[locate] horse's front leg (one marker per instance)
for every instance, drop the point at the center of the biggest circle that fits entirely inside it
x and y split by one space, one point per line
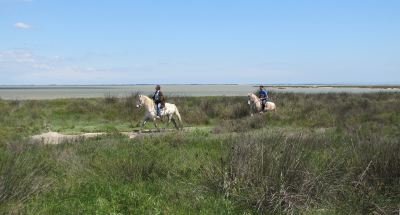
153 117
143 123
142 126
253 110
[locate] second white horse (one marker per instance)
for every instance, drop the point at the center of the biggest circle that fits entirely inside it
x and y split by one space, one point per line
256 106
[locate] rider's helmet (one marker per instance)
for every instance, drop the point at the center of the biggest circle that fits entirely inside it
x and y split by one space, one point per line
158 87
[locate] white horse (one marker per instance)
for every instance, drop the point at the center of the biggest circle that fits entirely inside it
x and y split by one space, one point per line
151 112
256 106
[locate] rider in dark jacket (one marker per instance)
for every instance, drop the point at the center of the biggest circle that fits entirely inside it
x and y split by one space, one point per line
159 99
263 95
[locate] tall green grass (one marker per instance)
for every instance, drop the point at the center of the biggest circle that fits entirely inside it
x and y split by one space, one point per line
151 175
271 171
318 154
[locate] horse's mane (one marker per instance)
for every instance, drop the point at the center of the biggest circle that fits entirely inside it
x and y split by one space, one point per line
145 96
148 98
253 96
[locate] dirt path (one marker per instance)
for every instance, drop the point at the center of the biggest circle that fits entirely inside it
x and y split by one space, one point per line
57 138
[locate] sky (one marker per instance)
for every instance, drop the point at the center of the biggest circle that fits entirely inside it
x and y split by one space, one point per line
199 42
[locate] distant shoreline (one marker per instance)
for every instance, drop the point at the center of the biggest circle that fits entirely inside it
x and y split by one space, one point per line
44 92
105 86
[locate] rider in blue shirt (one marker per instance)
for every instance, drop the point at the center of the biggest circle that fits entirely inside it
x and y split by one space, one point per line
263 95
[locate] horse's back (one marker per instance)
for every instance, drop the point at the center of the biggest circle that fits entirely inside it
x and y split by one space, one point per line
170 108
170 105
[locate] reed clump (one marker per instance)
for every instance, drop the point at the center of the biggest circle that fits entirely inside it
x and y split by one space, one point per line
293 172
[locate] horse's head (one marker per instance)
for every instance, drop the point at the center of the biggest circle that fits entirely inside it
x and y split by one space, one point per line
145 101
251 98
139 101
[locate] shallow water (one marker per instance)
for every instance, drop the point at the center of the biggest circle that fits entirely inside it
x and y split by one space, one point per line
93 91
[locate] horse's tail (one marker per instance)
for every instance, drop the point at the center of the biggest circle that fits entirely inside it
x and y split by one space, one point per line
178 115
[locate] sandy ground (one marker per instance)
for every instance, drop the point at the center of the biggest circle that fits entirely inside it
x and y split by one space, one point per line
57 138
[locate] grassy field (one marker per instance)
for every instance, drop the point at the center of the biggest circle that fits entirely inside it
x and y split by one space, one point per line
318 154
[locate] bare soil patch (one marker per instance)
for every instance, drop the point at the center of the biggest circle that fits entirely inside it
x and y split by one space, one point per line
57 138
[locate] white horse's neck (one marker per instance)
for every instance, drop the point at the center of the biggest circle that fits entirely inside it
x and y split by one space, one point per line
255 98
256 101
148 103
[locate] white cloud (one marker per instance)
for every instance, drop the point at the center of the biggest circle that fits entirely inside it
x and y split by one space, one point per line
26 67
21 25
17 56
